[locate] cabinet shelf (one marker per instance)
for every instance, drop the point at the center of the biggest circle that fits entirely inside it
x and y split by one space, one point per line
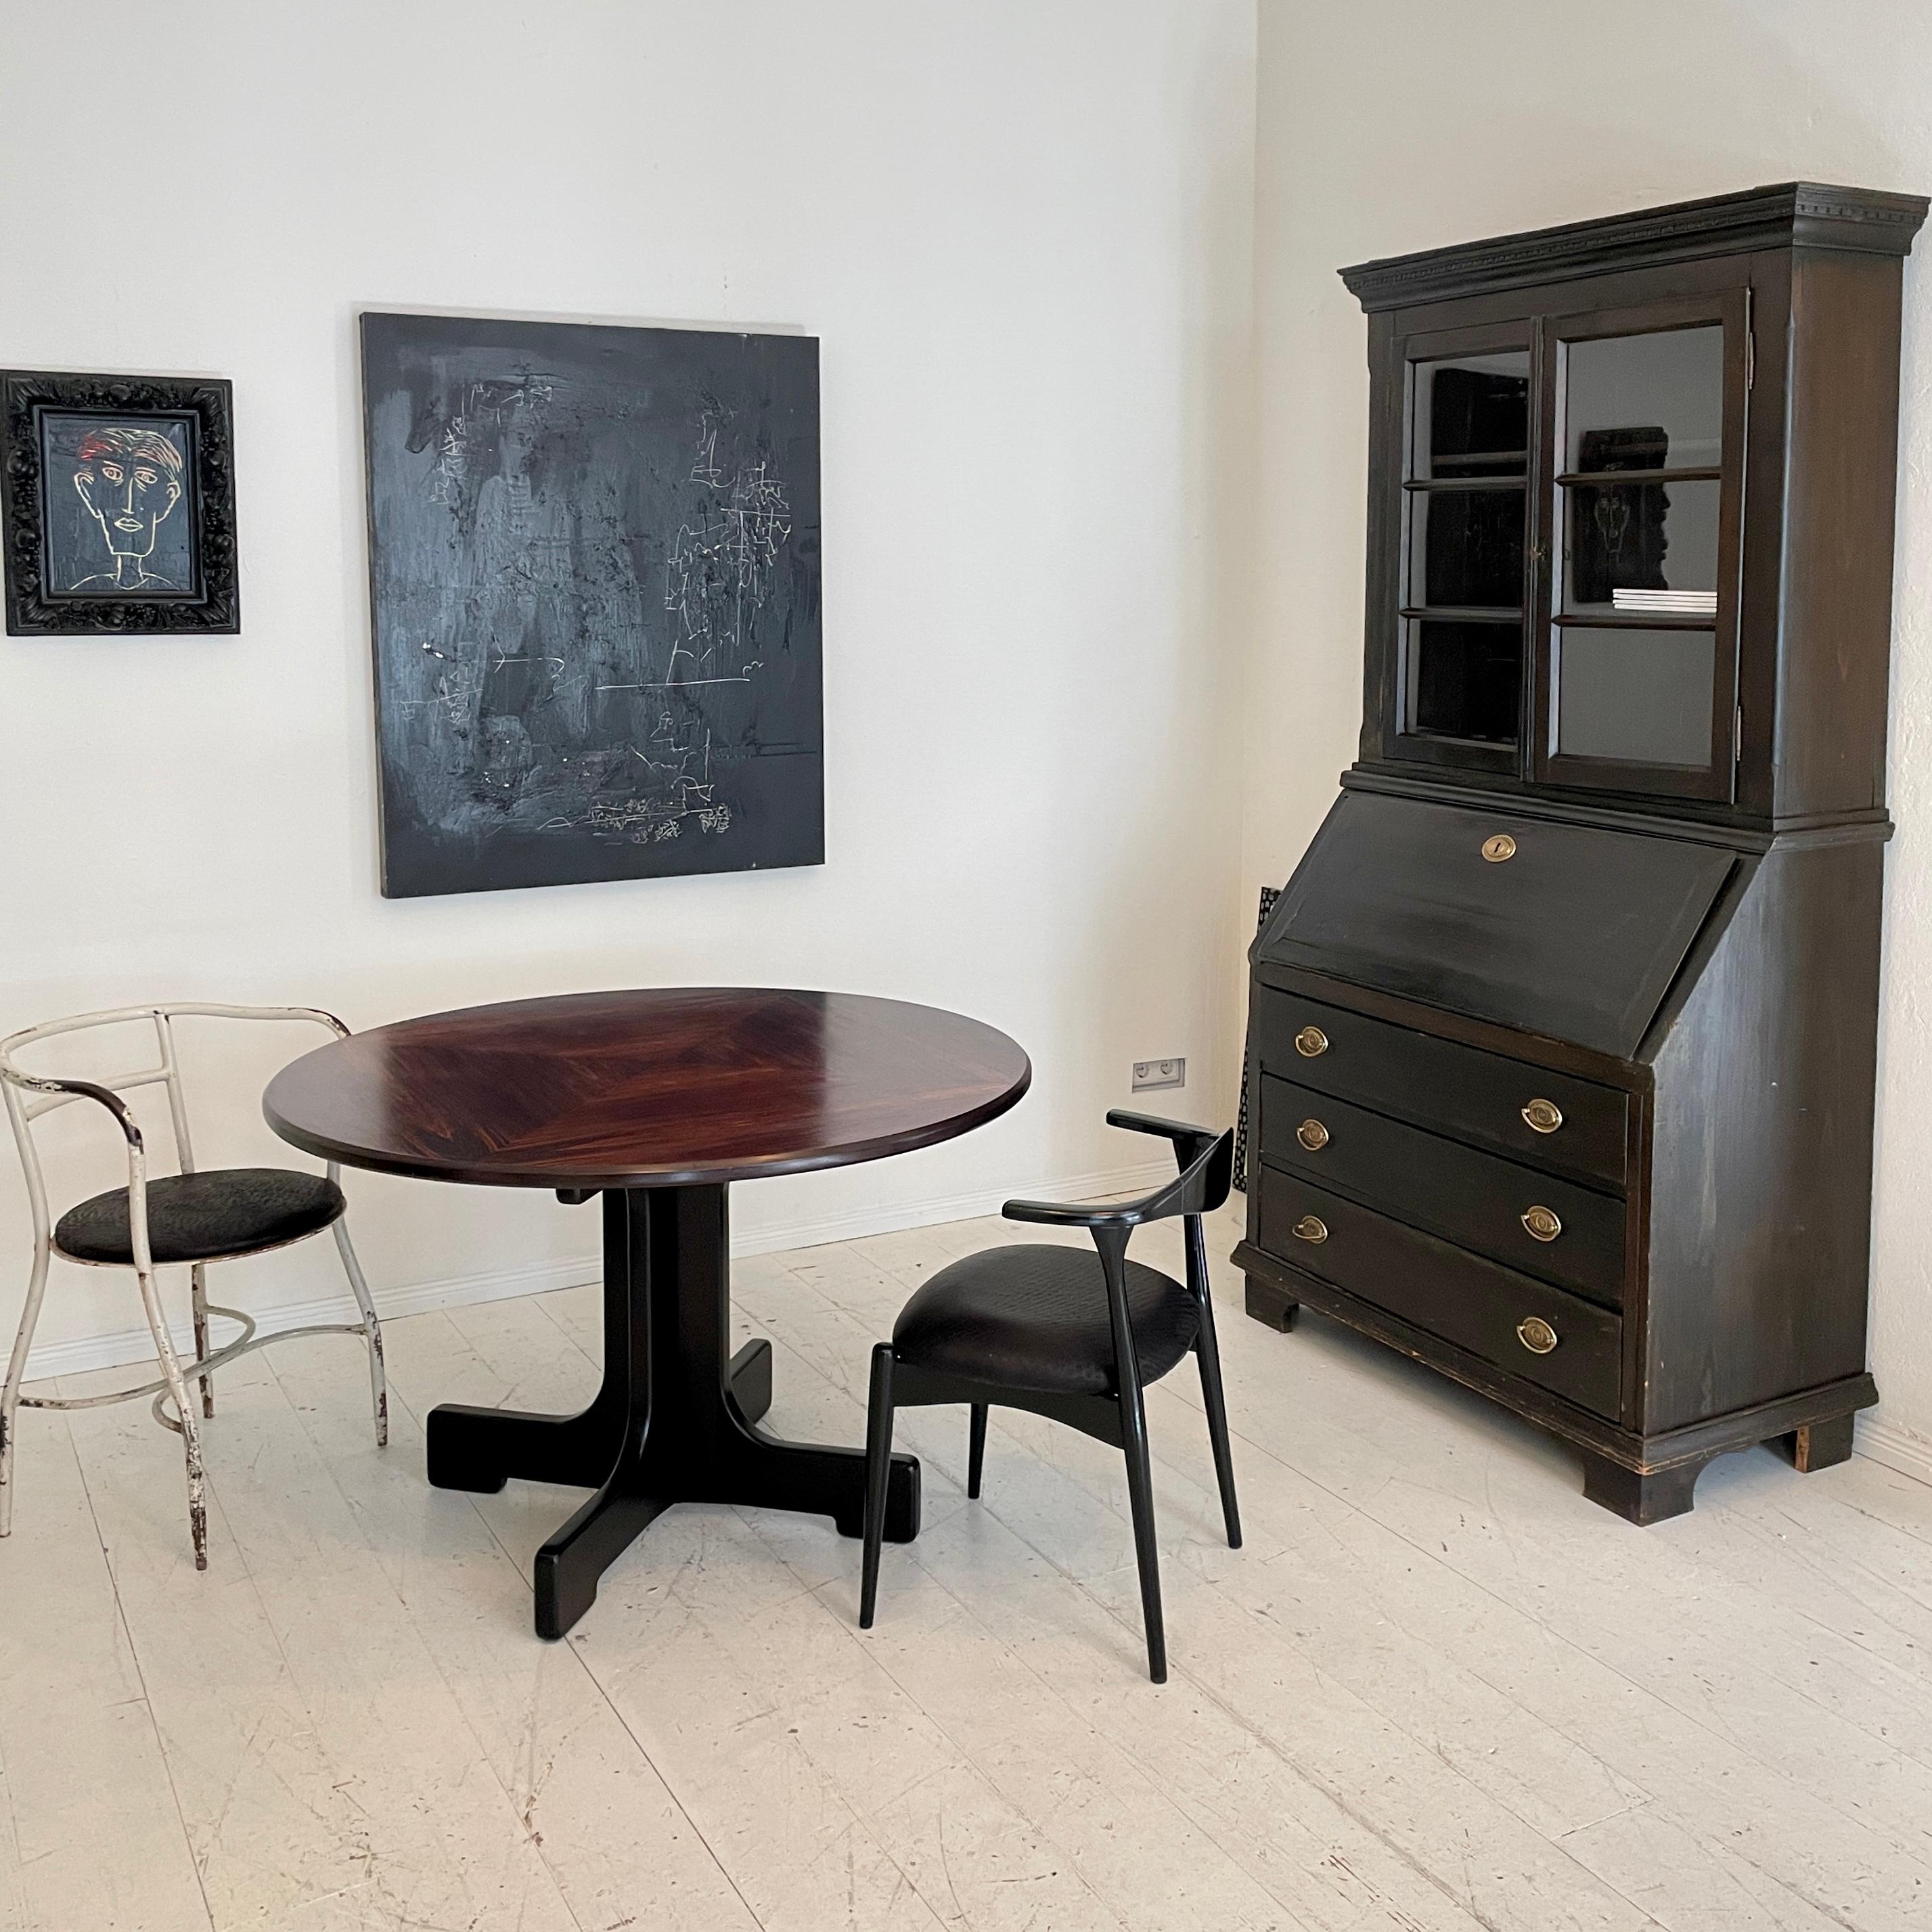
1454 483
1613 479
1608 619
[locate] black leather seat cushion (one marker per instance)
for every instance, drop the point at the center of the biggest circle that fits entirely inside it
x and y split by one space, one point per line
198 1217
1036 1318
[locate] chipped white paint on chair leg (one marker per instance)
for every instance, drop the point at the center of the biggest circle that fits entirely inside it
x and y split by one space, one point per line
10 1400
372 1329
198 1277
177 1388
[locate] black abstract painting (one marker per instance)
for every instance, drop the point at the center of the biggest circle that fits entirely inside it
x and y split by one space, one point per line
594 554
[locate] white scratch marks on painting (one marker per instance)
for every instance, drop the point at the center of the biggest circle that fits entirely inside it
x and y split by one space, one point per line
597 626
721 571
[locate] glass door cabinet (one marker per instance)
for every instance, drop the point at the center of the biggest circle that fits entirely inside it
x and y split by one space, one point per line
1563 1031
1571 486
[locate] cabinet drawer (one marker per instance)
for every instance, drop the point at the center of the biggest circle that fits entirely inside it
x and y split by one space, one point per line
1475 1199
1458 1091
1473 1302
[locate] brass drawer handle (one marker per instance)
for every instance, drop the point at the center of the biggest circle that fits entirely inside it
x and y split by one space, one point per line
1544 1117
1310 1227
1542 1224
1312 1134
1311 1041
1536 1335
1498 847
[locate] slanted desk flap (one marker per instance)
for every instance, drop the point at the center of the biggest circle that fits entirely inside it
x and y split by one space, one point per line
1575 934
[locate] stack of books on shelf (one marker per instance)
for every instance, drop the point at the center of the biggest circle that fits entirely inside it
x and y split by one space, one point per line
1682 603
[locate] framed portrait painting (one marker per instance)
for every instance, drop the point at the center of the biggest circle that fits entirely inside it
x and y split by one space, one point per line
117 504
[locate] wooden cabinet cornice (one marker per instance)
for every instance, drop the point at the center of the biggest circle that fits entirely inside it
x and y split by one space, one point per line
1562 1036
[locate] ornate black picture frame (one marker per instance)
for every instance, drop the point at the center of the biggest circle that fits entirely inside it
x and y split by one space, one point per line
117 504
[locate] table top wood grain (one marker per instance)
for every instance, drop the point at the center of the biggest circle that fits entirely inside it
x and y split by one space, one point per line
655 1088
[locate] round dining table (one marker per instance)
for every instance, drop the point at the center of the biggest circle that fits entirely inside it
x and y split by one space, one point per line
657 1101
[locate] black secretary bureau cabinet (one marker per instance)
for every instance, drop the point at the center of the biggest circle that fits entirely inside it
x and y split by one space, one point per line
1563 1033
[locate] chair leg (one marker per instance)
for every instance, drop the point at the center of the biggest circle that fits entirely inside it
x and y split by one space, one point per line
976 1448
17 1370
1206 1348
1140 1495
191 1428
372 1332
198 1295
878 1467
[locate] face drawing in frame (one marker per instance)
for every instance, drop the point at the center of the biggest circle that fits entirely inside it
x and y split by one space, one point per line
130 479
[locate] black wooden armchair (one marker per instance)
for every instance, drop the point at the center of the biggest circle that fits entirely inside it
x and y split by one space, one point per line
1049 1329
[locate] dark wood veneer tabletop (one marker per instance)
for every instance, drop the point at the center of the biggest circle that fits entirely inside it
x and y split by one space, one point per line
666 1087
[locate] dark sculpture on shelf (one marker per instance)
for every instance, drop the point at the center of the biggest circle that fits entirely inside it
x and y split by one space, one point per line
1621 533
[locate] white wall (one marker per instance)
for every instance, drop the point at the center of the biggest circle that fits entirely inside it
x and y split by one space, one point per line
1023 233
1390 125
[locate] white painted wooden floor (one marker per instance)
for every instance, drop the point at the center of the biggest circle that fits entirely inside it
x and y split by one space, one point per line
1436 1691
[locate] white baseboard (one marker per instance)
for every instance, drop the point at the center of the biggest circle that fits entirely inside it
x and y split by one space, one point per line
1900 1449
126 1345
1896 1448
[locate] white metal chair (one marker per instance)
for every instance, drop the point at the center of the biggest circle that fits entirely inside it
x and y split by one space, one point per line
190 1217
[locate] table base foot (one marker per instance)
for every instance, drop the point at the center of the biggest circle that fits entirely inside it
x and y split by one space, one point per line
570 1565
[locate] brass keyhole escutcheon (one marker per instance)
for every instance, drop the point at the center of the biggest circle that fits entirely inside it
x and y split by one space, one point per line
1312 1134
1311 1041
1498 847
1543 1225
1544 1116
1310 1228
1536 1335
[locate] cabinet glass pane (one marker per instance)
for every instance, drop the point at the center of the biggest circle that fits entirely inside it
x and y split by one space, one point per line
1465 547
1464 679
1634 547
1640 696
1646 402
1472 416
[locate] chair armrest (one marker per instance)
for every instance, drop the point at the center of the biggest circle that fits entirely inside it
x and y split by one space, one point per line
82 1089
1189 1141
1073 1213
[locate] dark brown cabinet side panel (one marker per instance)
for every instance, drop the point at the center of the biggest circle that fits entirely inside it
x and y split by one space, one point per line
1761 1167
1835 665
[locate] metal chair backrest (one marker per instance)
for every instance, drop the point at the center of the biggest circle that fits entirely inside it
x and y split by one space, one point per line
29 1095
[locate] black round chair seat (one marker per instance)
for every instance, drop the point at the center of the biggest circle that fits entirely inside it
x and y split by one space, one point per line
1036 1318
201 1217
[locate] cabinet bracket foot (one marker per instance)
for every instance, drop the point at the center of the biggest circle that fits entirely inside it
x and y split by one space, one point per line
1641 1499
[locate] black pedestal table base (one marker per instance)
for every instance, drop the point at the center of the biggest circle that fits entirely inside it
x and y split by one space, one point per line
676 1419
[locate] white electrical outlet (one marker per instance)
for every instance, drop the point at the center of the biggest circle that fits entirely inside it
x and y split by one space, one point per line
1151 1074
